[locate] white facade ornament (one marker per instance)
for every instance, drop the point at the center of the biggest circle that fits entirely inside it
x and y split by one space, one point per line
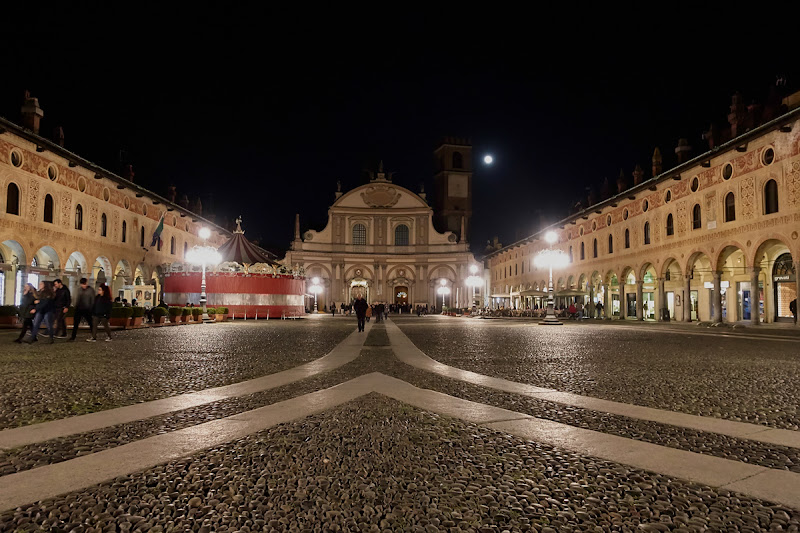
380 196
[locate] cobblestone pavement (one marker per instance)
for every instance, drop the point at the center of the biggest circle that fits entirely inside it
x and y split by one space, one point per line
740 378
44 382
378 465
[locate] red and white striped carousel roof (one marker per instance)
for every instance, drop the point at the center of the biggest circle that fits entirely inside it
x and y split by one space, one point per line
240 250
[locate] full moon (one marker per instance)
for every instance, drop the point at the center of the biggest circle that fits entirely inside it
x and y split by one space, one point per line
488 159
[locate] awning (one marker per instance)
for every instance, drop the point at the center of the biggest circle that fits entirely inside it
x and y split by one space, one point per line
532 292
501 296
571 292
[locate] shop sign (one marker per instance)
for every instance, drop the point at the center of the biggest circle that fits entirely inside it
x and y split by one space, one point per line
787 277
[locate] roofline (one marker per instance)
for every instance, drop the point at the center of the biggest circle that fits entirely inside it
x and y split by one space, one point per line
675 171
6 125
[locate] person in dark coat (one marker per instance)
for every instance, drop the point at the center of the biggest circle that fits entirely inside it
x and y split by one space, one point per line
793 309
26 310
84 303
44 311
61 303
101 312
360 307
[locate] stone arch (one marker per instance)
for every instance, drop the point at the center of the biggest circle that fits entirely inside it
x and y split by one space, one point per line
77 263
47 256
571 281
102 271
325 270
693 256
766 245
444 271
610 278
14 252
647 265
560 284
394 272
366 273
123 275
626 273
582 283
670 265
726 251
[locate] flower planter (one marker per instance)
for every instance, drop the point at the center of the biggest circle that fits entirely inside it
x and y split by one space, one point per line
161 319
8 320
211 316
119 322
135 321
176 319
69 320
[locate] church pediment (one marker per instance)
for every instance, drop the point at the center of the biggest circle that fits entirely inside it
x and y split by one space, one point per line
380 196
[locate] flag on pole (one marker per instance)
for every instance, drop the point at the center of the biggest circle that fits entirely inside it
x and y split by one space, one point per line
157 232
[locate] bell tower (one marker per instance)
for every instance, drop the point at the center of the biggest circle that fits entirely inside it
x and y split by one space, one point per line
453 184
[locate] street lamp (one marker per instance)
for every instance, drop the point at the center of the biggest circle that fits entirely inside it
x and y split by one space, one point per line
474 280
443 290
551 259
316 288
488 159
203 255
204 233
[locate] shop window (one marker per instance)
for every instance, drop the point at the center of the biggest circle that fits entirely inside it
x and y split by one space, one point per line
79 217
48 209
771 197
670 225
730 207
696 216
12 199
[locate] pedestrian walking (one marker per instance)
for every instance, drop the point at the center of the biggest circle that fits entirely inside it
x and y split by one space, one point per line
61 303
44 311
369 312
333 308
84 302
26 310
360 306
101 312
599 308
793 309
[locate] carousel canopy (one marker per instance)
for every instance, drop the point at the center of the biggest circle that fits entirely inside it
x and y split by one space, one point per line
240 250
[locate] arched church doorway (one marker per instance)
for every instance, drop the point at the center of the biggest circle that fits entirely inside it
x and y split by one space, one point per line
401 295
359 288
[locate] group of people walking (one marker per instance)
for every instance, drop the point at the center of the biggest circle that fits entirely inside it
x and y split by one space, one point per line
49 305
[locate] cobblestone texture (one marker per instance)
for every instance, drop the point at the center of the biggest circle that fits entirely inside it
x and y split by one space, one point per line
44 382
750 380
377 465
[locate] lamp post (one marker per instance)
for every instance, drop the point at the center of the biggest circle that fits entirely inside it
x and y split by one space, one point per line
474 280
316 288
551 259
443 290
203 255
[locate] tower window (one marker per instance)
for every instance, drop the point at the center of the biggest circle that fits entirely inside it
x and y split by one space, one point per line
359 235
583 253
611 244
730 207
401 235
594 248
185 249
570 254
696 216
647 233
458 160
12 199
141 237
103 225
627 238
172 245
48 209
79 217
124 230
670 225
771 197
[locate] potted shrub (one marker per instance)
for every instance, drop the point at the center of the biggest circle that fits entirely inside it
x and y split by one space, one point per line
175 314
197 314
159 315
137 316
186 314
120 316
69 318
222 314
212 313
8 314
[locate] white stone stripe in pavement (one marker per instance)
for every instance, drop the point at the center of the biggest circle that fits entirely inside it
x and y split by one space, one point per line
342 353
407 352
49 481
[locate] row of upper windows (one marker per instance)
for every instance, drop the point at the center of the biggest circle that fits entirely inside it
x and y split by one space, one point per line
770 207
12 208
401 235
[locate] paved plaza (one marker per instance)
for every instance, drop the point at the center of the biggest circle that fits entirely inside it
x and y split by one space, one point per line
420 424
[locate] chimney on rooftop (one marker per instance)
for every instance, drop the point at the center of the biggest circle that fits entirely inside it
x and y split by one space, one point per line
621 182
738 115
172 193
31 113
127 172
656 162
683 151
58 136
638 175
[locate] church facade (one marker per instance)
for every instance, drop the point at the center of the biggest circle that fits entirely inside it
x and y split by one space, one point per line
381 241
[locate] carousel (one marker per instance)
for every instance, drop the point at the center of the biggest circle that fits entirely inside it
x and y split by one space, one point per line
246 281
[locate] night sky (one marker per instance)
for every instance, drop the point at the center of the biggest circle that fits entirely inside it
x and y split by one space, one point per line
266 109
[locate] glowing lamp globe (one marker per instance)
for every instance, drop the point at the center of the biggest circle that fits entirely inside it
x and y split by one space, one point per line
204 233
551 237
551 259
488 160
